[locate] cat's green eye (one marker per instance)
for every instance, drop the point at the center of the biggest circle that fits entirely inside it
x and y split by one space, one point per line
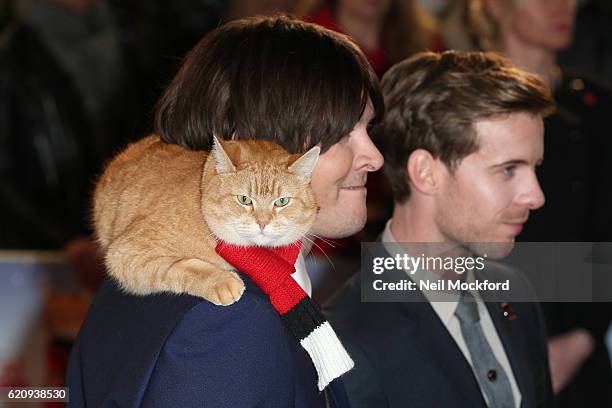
244 200
281 202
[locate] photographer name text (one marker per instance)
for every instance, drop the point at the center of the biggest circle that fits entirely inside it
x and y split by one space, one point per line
440 285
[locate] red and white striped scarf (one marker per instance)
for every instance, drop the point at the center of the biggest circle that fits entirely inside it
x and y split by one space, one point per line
271 269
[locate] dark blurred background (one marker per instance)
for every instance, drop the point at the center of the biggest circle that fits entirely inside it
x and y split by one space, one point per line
79 79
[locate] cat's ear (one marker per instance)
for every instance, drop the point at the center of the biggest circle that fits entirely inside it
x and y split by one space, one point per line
222 160
304 165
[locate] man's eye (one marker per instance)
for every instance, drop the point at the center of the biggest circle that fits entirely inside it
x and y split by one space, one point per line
508 170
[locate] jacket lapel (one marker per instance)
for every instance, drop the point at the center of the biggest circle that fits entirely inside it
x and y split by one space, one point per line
448 363
447 356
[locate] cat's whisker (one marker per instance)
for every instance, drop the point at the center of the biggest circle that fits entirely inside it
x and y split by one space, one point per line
296 243
322 251
330 242
314 258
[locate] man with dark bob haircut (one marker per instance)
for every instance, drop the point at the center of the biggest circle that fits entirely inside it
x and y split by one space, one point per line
276 79
267 78
462 137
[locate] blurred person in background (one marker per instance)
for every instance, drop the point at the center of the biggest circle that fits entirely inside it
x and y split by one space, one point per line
84 40
155 35
62 86
591 50
575 178
66 65
48 155
387 31
58 66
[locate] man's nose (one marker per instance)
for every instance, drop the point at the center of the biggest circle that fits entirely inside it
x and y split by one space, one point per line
372 158
533 196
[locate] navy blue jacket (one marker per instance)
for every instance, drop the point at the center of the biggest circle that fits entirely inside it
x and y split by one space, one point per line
405 357
181 351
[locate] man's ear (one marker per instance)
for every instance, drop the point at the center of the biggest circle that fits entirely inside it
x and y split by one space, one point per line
422 170
222 160
304 165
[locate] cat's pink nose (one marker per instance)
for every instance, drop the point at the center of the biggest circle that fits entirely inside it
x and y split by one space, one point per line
262 226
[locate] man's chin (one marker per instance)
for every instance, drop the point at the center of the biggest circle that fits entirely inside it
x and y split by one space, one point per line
357 224
493 250
340 227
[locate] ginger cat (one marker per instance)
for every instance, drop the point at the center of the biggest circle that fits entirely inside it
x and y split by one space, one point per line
159 210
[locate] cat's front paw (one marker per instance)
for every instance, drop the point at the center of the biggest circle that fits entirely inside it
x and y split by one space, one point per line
226 290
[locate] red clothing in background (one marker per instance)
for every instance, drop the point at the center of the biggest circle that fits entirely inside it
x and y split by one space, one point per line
377 58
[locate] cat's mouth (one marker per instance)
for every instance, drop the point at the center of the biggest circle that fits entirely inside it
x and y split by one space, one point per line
264 240
265 235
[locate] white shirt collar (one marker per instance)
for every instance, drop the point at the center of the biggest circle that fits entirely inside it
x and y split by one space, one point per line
301 275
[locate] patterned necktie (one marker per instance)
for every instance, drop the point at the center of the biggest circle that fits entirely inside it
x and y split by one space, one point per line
492 378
